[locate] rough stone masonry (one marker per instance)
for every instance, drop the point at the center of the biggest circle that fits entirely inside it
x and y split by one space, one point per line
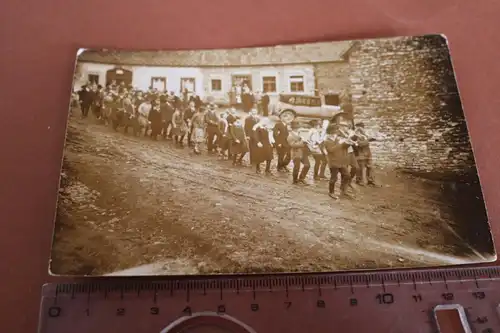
406 89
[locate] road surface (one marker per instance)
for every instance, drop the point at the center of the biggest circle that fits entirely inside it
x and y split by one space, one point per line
135 206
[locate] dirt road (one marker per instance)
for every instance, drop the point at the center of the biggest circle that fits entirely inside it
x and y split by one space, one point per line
126 202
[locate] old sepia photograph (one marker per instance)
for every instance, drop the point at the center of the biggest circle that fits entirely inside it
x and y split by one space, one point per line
317 157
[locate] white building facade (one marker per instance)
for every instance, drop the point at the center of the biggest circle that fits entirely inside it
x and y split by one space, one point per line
217 82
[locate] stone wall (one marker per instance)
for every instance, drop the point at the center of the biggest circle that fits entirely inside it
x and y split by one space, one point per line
405 88
332 76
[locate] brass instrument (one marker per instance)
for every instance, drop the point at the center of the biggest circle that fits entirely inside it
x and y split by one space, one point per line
311 145
314 146
361 134
347 137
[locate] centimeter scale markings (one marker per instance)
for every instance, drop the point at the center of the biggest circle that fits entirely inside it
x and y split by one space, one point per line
442 300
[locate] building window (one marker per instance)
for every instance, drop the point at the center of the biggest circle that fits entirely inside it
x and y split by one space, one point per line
93 78
188 84
297 83
269 84
159 83
216 85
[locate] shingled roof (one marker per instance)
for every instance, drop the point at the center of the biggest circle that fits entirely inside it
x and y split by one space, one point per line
257 56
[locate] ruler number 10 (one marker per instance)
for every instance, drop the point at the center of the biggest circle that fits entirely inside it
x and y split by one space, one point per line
385 298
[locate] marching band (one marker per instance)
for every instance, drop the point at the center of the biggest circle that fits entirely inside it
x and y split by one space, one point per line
343 147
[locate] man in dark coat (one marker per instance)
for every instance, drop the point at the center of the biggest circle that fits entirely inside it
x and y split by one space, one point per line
231 117
98 101
264 149
264 102
155 119
212 123
167 111
86 100
336 146
239 144
188 115
250 122
280 134
247 100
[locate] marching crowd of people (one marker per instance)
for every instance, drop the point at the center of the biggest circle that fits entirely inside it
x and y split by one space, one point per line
341 146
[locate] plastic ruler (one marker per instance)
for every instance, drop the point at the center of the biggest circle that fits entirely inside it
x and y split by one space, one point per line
458 300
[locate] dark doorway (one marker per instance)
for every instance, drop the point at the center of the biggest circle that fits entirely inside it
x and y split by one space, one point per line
119 75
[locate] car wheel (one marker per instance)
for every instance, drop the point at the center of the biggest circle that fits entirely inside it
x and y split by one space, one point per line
287 116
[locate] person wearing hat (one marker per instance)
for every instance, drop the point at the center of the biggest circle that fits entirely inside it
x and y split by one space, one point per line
316 148
85 97
247 98
198 128
212 122
188 116
167 111
129 119
155 119
179 127
364 156
117 112
177 102
231 116
338 161
223 137
249 123
143 112
280 133
345 120
97 100
264 103
299 154
107 107
239 143
264 146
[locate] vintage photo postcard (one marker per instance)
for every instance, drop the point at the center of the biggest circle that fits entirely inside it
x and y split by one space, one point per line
314 157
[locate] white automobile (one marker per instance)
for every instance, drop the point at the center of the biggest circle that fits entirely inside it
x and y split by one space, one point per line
292 106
